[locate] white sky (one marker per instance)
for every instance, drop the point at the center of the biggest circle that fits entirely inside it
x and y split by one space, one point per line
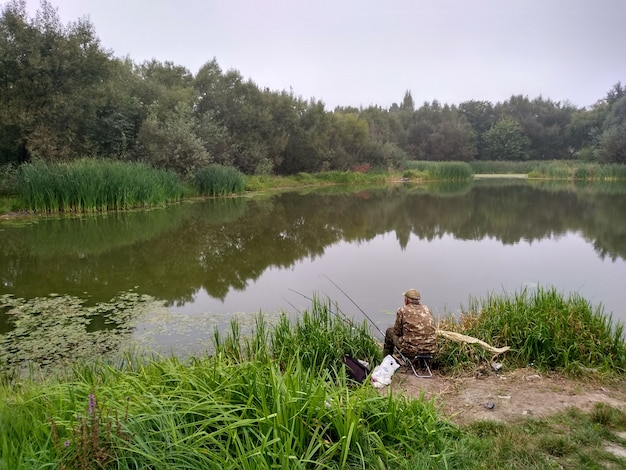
362 52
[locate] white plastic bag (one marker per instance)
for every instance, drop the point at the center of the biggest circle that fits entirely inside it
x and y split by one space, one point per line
381 376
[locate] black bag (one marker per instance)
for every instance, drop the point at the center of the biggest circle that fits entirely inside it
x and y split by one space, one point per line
355 370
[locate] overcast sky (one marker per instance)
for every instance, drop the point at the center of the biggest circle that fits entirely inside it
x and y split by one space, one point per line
362 52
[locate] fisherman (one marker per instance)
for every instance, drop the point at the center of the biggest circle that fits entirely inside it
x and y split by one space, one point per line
414 330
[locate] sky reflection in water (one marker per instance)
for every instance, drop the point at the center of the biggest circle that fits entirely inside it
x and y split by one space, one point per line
446 271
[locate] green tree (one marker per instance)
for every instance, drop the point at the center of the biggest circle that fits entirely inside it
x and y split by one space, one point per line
505 140
257 123
51 88
168 140
585 127
441 133
544 122
307 147
349 136
612 141
481 116
616 92
120 114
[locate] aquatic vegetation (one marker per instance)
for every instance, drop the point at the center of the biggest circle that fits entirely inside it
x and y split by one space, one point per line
450 171
219 180
52 333
90 185
543 327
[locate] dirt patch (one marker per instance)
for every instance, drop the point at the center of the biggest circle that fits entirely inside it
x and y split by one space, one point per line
507 396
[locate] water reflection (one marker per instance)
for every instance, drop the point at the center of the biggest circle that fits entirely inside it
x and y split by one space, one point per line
250 254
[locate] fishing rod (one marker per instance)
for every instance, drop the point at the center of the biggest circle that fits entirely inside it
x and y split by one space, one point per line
344 317
292 305
300 294
355 304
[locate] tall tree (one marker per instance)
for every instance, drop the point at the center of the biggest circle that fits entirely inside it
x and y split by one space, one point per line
481 116
51 84
506 141
612 141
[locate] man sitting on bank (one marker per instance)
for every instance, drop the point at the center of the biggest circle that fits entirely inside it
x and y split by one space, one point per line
414 331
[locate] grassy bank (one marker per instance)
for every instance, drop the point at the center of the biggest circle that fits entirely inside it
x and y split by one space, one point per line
557 169
440 171
543 328
264 182
280 398
92 185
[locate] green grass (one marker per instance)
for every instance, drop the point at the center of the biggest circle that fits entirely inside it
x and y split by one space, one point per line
571 439
93 185
11 204
219 180
543 328
278 398
555 169
8 180
264 182
449 171
259 402
579 171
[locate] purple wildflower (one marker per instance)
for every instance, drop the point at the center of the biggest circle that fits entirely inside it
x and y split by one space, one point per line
92 403
66 443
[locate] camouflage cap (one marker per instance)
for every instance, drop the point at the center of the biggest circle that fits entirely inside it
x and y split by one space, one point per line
412 294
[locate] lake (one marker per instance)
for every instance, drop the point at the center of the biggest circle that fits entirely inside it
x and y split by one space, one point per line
197 265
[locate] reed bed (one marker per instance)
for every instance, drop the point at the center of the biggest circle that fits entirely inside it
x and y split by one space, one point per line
450 171
219 180
543 328
90 185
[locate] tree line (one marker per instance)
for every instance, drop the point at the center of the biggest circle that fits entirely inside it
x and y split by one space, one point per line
64 96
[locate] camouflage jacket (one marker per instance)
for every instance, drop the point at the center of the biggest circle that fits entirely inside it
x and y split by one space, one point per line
415 329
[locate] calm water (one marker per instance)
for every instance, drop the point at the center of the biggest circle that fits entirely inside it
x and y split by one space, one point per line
208 261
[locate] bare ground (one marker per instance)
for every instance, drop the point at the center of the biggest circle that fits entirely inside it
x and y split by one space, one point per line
507 396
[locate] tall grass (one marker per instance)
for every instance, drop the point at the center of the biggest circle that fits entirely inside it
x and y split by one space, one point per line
219 180
279 399
95 185
543 328
555 169
450 171
579 171
243 408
